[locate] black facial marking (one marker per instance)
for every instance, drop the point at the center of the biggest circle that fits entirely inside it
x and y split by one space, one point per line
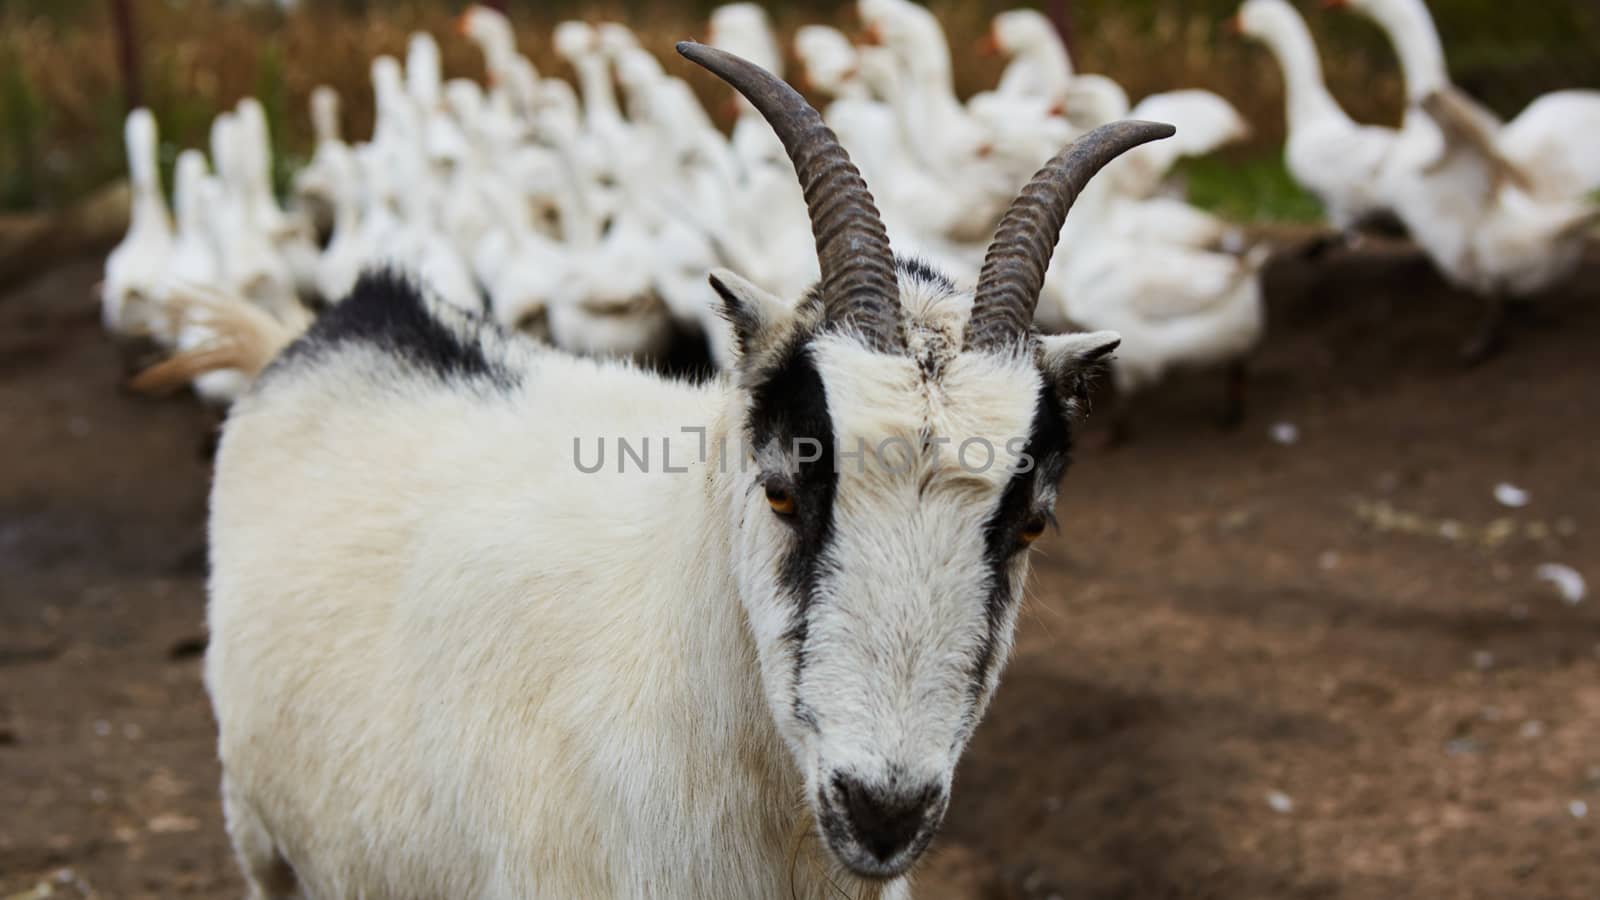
1050 447
789 405
388 311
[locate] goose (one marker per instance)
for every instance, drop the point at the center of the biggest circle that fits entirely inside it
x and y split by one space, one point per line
347 250
860 113
507 69
830 62
134 269
1484 230
693 164
943 137
1206 122
743 29
399 230
1547 144
251 265
613 309
1040 67
312 186
444 142
1175 307
194 195
610 149
1328 153
292 235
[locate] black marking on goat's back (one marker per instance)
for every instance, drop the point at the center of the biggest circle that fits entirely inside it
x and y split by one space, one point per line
789 405
388 311
1050 447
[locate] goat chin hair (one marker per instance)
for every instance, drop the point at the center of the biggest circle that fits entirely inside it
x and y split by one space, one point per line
242 337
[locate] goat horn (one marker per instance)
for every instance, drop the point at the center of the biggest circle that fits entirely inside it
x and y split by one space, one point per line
1013 269
859 287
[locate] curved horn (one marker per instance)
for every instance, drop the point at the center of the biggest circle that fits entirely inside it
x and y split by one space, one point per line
1014 267
859 287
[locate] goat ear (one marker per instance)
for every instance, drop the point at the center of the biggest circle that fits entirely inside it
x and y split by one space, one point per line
1071 362
755 316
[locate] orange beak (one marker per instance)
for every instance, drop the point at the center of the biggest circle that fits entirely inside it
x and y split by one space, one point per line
1236 26
462 20
872 36
989 45
1058 109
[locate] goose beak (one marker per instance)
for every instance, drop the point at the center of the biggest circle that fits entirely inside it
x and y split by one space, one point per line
1235 26
989 45
872 35
462 22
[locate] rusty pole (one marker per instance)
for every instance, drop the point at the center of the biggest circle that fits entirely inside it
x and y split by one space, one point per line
127 53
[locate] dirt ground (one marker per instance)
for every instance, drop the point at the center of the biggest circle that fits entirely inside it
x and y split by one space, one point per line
1250 668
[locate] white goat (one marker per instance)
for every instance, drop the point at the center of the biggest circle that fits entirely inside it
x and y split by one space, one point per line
447 662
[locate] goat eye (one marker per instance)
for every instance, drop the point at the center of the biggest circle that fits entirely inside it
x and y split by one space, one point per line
1032 529
779 498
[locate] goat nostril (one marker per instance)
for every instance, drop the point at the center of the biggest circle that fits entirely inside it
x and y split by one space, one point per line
885 820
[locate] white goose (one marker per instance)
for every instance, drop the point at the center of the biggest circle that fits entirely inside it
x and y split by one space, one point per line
313 185
194 195
1328 153
1040 67
251 266
134 271
1205 121
1174 306
292 235
743 29
1549 143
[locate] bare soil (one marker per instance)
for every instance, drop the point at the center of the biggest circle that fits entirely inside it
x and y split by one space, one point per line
1249 669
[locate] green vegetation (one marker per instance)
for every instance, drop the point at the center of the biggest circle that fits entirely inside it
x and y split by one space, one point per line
1253 189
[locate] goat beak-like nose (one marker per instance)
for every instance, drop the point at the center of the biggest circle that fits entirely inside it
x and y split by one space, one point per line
887 820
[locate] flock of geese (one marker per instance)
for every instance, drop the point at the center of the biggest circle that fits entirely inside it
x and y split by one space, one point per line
590 215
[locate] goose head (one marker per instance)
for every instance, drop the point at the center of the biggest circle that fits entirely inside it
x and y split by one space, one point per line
637 68
745 30
492 32
614 38
575 41
1020 31
828 57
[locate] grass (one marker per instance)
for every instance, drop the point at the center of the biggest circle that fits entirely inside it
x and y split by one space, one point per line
1256 188
61 102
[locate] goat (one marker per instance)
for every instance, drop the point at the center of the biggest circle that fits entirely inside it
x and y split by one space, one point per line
445 662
